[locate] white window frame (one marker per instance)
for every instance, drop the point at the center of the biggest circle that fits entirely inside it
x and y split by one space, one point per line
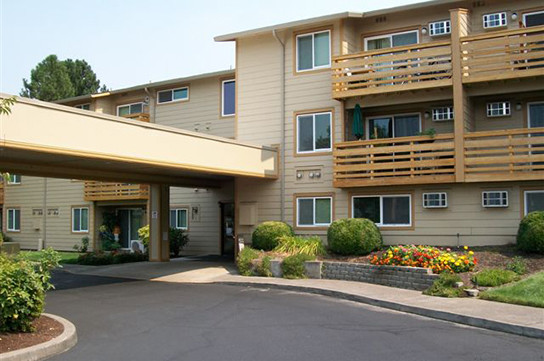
390 36
11 227
503 193
505 107
80 106
80 218
528 14
446 25
172 94
381 197
313 198
186 217
16 179
502 18
443 197
442 114
313 51
223 97
368 119
313 133
129 105
525 198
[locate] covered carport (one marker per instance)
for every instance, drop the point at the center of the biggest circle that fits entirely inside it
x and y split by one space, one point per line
50 140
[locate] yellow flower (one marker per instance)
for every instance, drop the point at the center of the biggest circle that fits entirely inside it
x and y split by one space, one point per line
15 316
465 247
471 253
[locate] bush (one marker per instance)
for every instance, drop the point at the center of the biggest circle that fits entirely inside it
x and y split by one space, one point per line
517 265
178 240
265 237
494 277
22 295
531 233
300 245
444 286
129 257
293 266
100 258
84 246
245 261
143 235
263 268
353 236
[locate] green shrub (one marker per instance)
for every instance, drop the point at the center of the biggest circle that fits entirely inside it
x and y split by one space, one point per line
143 235
518 265
353 236
300 245
129 257
178 240
263 268
100 258
444 286
265 237
245 259
22 295
84 246
494 277
293 266
531 233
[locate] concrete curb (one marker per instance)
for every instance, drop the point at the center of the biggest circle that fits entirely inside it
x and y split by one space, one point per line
65 341
439 315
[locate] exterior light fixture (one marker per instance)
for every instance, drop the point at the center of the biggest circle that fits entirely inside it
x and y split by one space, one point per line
518 106
514 16
424 30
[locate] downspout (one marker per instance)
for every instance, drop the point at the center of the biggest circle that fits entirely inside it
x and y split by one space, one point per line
44 240
282 144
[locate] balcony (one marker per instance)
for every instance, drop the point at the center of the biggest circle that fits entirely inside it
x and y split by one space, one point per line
501 55
143 117
405 68
394 161
504 155
102 191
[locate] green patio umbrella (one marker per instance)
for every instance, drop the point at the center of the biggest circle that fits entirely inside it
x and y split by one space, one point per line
358 131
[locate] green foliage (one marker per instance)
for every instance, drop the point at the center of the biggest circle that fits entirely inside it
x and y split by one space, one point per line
528 292
293 266
517 265
108 239
84 246
143 234
300 245
6 104
22 295
5 238
178 240
263 268
431 132
493 277
353 236
99 258
265 237
444 286
126 257
531 233
54 79
245 259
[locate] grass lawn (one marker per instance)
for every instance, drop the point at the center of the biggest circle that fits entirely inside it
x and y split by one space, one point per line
66 257
528 292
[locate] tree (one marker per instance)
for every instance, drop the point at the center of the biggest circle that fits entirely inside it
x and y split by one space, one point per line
54 79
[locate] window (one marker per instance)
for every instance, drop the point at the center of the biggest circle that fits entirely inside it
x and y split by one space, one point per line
533 201
14 179
314 132
491 199
173 95
435 200
314 50
314 211
391 40
394 126
84 106
178 218
228 98
80 219
14 220
442 113
498 109
533 19
494 20
440 28
127 109
385 211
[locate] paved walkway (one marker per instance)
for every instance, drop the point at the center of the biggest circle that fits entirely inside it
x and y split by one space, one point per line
522 320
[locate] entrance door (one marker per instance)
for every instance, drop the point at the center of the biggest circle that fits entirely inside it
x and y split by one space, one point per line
227 229
130 220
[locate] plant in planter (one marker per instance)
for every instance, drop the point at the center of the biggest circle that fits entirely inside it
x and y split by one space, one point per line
431 132
178 240
107 239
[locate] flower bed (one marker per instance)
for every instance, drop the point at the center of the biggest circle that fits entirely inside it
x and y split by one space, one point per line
438 260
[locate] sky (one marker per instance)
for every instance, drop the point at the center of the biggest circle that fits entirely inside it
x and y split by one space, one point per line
134 42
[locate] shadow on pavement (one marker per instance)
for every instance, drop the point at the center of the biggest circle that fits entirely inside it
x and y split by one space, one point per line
64 280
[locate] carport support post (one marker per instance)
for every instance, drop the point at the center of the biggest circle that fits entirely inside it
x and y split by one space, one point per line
159 219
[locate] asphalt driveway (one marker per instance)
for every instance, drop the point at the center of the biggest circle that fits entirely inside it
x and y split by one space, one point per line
118 319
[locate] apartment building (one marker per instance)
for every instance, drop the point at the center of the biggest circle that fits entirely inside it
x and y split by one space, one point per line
427 119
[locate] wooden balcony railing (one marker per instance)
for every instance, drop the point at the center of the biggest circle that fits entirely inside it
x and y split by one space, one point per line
391 70
143 117
407 160
499 55
103 191
504 155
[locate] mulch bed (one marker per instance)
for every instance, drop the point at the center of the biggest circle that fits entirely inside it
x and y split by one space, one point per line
46 329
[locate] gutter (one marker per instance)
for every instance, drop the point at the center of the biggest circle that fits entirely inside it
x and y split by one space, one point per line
282 110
